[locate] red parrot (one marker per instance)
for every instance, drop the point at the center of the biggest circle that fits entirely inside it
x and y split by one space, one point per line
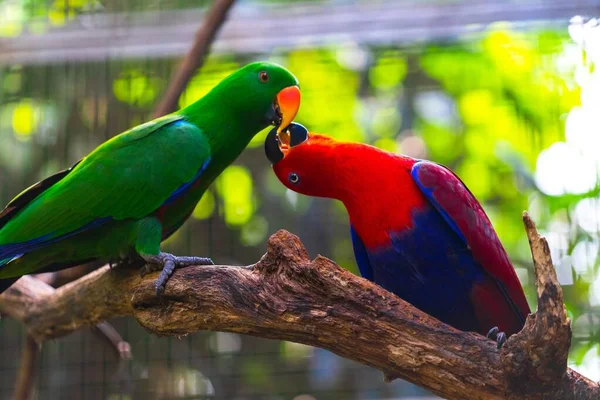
416 229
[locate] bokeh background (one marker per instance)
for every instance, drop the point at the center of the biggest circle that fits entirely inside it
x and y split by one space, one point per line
504 92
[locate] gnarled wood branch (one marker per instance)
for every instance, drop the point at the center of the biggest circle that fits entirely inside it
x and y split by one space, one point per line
286 296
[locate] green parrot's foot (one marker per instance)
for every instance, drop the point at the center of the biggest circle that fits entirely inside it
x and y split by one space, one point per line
496 335
125 262
166 263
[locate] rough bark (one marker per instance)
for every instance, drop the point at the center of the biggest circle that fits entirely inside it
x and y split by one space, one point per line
289 297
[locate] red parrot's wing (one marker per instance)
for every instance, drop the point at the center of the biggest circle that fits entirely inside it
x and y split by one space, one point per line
453 200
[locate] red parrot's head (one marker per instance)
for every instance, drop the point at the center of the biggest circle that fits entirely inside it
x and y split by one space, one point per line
304 161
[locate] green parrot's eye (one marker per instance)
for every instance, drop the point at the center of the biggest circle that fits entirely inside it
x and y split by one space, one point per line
294 178
263 76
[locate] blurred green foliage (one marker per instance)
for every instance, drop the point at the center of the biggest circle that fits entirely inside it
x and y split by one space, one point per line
485 105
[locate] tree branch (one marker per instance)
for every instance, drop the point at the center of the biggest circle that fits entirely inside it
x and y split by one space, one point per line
288 297
39 285
26 376
195 57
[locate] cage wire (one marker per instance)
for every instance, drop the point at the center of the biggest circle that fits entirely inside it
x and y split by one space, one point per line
53 113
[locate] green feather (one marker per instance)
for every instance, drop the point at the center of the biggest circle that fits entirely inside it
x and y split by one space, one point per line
126 180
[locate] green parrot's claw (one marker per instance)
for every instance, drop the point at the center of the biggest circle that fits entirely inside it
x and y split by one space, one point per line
166 263
125 262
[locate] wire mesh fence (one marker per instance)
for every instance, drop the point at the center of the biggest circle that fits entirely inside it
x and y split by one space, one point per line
53 112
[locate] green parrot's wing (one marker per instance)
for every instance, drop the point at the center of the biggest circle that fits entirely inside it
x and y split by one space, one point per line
127 177
29 194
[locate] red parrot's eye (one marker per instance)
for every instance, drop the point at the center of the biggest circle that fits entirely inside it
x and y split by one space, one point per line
294 178
263 76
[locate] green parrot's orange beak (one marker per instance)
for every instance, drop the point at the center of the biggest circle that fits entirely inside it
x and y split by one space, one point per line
288 104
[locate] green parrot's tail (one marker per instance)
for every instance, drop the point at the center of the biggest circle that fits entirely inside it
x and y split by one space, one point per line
5 261
6 283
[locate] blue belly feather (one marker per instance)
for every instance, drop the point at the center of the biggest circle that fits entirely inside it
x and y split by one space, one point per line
429 266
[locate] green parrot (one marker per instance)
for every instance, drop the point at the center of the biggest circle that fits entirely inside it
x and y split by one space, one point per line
133 191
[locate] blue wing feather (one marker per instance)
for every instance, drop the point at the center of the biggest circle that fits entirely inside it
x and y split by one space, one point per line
181 190
427 191
11 251
497 282
361 256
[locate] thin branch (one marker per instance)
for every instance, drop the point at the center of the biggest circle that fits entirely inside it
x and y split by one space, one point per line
121 348
35 287
26 375
195 57
288 297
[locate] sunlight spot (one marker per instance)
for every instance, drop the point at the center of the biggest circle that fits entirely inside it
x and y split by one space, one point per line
564 270
436 107
259 139
352 56
587 35
557 236
386 144
386 122
224 342
11 19
291 197
581 129
587 214
584 256
595 292
413 146
562 169
135 87
255 231
476 107
205 206
304 397
389 71
590 365
296 351
24 119
236 187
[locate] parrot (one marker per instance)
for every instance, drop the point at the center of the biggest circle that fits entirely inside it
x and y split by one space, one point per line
133 191
415 227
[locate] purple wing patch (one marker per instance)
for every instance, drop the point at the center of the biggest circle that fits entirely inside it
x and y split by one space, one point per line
453 200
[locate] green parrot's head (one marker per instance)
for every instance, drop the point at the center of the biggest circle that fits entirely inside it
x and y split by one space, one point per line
262 93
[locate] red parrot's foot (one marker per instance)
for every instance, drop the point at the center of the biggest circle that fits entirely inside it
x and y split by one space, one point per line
166 263
499 337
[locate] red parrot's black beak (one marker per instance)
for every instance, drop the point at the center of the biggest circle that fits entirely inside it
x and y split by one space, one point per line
277 146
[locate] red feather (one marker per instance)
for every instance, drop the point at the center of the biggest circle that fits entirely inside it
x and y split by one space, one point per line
454 199
381 193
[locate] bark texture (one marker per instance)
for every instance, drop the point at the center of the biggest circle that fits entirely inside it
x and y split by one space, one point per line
287 296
